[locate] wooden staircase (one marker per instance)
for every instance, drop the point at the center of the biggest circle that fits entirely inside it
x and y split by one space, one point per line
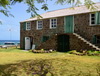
87 42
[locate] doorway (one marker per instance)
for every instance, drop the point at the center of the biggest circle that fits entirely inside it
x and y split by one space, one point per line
27 43
69 24
63 43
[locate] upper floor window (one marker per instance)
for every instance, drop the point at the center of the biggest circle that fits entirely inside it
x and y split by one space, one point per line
39 24
28 26
95 18
53 23
92 19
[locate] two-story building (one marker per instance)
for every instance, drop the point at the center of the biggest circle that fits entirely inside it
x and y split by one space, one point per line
63 30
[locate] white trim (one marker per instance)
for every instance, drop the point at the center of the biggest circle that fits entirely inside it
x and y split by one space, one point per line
26 25
37 25
51 25
90 20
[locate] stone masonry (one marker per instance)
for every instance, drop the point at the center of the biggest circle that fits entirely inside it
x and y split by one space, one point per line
81 27
38 34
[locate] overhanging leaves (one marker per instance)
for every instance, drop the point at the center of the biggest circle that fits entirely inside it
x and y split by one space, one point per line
32 8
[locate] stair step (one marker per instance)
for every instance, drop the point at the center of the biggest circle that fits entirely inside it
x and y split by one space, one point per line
87 42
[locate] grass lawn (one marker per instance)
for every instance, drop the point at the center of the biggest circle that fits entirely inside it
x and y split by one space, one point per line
63 64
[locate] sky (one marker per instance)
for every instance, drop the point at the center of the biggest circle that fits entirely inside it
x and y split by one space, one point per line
10 28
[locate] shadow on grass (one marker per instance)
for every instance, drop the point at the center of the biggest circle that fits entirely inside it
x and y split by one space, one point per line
27 68
43 67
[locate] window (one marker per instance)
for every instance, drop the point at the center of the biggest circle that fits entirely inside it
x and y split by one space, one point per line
92 19
45 38
28 26
95 18
53 23
96 39
39 24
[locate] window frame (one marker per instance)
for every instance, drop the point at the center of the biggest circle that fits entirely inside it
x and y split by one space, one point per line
38 25
91 19
53 24
28 25
97 38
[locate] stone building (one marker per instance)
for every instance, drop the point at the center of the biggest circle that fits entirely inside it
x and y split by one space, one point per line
63 30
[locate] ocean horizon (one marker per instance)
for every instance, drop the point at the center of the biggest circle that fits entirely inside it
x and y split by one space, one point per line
3 41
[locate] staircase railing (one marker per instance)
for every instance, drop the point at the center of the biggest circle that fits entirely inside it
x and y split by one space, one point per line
87 42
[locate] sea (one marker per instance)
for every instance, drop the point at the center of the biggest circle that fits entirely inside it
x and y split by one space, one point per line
15 41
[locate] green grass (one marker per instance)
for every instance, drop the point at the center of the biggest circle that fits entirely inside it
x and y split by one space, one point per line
63 64
11 49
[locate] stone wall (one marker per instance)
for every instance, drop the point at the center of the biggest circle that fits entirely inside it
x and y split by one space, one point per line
38 34
75 43
49 44
82 26
78 44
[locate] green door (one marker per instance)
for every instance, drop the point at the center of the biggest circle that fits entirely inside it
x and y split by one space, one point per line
69 24
63 43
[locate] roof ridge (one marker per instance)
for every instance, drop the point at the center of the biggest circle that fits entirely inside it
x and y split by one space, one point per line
65 12
69 8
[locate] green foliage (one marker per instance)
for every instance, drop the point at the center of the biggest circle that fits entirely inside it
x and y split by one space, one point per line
44 7
85 52
33 9
0 22
74 52
4 3
88 3
93 53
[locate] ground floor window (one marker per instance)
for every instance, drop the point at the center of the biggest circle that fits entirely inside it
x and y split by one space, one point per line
45 38
96 39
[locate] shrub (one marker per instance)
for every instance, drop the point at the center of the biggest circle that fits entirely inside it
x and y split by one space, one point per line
85 52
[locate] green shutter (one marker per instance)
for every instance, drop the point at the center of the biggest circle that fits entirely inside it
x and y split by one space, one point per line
45 38
68 28
97 18
94 39
24 43
71 24
24 26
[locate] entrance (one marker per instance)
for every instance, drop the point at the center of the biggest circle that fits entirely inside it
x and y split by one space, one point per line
63 43
69 22
27 43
